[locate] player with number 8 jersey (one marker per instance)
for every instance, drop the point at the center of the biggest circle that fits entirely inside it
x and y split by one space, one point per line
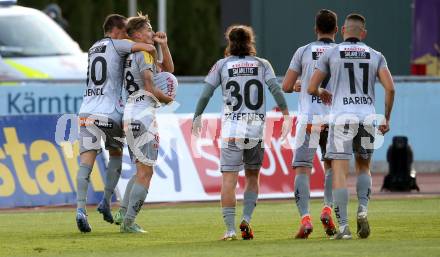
100 115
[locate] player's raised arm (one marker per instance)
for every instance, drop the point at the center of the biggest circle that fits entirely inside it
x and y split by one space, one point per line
167 63
388 84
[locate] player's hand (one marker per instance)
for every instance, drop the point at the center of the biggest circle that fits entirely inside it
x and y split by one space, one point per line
287 127
160 38
196 126
297 86
384 128
325 96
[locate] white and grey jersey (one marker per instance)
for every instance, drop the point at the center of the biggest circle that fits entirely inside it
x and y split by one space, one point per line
353 67
303 62
102 94
138 99
243 81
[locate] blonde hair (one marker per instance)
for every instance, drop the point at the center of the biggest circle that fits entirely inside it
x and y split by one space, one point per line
136 23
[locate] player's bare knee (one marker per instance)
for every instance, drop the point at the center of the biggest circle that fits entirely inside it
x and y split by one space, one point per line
88 157
303 170
115 152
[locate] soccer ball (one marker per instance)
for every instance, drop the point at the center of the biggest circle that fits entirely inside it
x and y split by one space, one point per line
166 82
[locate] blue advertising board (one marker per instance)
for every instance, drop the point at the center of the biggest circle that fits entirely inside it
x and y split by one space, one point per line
35 170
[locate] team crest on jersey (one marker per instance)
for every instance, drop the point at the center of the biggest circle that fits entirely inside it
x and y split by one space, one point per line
317 51
242 68
354 52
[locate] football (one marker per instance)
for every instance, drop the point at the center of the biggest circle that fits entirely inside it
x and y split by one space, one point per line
166 82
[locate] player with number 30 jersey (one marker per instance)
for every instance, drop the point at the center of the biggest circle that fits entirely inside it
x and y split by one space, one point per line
243 78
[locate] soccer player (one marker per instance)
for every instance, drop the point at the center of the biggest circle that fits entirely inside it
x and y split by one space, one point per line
243 78
310 107
100 115
353 67
140 124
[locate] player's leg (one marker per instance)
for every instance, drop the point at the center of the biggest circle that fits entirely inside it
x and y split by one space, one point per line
112 177
113 138
228 202
339 151
303 163
231 162
143 142
363 151
90 146
363 189
326 212
137 198
253 159
250 197
87 160
120 214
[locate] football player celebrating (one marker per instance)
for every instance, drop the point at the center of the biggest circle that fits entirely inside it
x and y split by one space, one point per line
312 128
353 67
243 78
100 115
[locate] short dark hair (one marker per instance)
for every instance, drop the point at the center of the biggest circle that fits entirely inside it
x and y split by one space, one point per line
326 21
356 17
136 23
113 20
241 41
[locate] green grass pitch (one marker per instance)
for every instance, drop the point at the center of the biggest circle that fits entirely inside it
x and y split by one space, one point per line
400 227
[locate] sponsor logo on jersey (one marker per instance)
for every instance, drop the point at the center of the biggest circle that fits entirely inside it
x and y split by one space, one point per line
242 68
133 127
318 51
354 52
99 49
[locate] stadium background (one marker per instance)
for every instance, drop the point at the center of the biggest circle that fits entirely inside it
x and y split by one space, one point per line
195 33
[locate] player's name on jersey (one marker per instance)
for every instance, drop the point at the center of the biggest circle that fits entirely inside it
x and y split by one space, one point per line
317 51
242 68
357 100
354 52
93 91
99 49
316 99
245 116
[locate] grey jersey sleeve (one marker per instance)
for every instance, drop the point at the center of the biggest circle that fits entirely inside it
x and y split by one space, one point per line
123 47
268 71
323 64
275 90
214 76
295 63
144 61
382 62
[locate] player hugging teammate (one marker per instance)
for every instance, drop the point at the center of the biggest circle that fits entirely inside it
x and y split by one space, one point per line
103 108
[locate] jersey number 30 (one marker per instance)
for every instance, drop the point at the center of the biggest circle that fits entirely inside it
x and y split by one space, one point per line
235 92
